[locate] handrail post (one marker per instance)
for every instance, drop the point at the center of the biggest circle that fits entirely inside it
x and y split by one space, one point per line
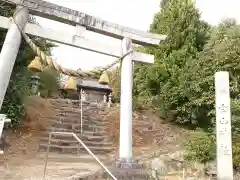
46 156
81 112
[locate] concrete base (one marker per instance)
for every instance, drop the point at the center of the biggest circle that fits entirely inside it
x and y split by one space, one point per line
127 170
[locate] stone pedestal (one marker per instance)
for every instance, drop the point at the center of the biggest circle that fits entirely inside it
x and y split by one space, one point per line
127 170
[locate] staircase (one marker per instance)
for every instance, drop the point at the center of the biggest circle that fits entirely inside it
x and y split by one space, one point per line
66 149
67 118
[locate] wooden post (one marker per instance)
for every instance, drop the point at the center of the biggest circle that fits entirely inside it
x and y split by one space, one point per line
223 127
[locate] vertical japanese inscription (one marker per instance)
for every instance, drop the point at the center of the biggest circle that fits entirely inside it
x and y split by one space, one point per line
223 127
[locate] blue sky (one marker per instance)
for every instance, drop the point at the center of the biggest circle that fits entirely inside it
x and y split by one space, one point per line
137 14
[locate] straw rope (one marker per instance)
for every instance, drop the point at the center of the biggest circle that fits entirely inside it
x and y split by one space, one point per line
48 61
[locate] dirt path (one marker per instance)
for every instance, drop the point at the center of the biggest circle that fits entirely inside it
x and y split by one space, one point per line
33 170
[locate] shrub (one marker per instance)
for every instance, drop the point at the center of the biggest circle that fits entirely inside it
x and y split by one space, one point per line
200 147
35 107
236 152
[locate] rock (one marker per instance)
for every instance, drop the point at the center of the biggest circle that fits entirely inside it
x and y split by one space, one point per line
158 167
191 178
236 176
211 168
177 156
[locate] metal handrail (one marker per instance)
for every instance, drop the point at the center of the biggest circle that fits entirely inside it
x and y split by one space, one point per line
81 113
81 142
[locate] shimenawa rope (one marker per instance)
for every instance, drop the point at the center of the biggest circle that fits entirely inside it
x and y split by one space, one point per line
48 61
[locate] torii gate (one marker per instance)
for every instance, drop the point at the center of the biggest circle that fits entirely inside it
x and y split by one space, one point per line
82 23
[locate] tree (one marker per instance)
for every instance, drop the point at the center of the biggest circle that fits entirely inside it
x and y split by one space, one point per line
164 82
115 83
221 53
49 82
163 3
18 87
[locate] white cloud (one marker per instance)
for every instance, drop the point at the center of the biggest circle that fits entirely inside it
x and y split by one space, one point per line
137 14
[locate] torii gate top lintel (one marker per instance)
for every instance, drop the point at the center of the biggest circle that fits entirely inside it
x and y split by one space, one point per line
73 17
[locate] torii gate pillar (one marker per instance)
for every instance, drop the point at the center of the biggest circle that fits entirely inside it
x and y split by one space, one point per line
125 151
10 49
126 167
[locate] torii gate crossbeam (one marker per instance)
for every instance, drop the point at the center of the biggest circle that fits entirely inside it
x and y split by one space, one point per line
76 40
73 17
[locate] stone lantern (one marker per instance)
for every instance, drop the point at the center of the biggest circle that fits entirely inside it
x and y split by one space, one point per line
35 66
35 83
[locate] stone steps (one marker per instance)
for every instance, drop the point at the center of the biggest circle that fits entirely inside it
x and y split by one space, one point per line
89 113
73 149
44 140
62 101
83 137
97 139
77 130
77 118
73 113
78 109
62 106
54 121
85 119
67 115
76 106
65 158
66 118
85 133
87 127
